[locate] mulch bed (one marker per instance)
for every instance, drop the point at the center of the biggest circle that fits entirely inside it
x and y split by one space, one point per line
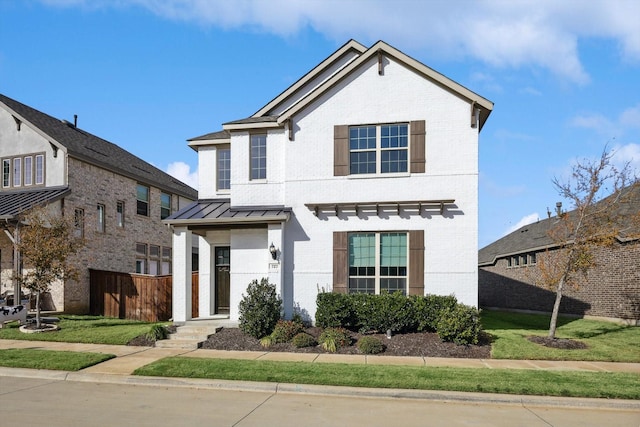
414 344
560 343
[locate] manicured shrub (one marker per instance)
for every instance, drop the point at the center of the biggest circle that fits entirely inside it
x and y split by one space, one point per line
429 308
378 313
370 345
332 339
460 324
260 309
303 340
285 330
335 310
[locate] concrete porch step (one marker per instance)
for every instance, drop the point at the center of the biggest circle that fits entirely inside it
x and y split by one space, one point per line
180 344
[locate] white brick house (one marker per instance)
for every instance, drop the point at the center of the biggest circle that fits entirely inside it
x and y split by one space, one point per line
363 176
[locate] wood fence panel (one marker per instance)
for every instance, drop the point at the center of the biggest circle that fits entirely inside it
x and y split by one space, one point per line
195 294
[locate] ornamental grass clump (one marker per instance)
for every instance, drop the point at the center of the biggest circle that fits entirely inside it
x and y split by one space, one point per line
331 339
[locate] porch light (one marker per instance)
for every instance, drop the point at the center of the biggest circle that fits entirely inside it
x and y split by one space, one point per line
274 252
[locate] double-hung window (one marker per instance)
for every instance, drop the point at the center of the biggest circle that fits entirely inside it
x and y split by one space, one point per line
165 205
6 173
379 149
100 222
28 170
377 262
120 214
142 195
17 172
39 169
258 154
224 168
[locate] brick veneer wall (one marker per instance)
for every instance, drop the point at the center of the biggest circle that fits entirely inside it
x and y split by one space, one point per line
115 249
611 288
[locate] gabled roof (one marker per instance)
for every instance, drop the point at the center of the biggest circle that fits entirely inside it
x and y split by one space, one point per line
91 149
535 236
338 66
13 203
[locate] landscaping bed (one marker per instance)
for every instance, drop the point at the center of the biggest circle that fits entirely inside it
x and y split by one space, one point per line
411 344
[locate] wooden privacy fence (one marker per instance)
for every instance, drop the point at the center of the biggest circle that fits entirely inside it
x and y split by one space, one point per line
134 296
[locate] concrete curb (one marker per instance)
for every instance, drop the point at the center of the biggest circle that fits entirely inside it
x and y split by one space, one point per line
310 389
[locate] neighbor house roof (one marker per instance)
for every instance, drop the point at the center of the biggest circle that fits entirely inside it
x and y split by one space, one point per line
334 69
220 212
89 148
535 236
12 203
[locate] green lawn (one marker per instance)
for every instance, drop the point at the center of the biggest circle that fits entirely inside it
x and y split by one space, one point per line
48 359
530 382
606 341
84 329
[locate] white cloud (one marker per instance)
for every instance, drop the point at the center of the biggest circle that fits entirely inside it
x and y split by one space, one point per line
627 154
182 171
631 117
531 218
593 121
526 33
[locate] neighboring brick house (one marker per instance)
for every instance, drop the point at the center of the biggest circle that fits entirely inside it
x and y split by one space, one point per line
508 269
360 177
116 199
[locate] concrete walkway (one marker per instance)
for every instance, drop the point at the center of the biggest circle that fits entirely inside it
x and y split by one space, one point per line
128 358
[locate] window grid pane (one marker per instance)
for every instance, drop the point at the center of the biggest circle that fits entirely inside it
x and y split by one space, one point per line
100 222
165 205
28 170
39 169
17 172
258 156
6 173
120 214
143 200
224 169
362 146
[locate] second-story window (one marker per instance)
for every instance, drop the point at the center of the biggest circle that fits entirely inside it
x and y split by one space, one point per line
100 222
258 155
28 170
379 149
120 214
6 172
39 169
224 168
165 205
143 200
17 172
78 223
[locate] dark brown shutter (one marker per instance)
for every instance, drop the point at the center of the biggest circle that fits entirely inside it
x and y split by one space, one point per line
416 262
340 258
417 146
340 150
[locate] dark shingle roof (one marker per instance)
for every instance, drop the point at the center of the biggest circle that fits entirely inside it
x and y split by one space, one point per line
535 236
12 203
92 149
222 134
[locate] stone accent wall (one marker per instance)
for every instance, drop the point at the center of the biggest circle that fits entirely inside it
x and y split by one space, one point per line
115 249
611 289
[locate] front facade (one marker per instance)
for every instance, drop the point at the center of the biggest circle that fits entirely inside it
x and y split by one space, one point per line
360 177
117 200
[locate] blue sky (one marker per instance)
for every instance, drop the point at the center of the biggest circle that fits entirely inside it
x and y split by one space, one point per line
149 74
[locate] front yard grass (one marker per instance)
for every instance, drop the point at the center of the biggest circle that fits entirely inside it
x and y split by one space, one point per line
48 359
484 380
606 341
84 329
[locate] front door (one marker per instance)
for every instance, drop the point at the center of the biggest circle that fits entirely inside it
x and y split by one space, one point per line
222 280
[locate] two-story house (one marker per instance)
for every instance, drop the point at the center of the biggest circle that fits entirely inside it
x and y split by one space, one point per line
116 199
360 177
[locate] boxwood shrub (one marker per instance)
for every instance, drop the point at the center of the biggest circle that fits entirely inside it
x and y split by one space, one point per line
259 310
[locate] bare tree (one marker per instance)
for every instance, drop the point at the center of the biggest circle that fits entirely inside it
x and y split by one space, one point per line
46 243
597 191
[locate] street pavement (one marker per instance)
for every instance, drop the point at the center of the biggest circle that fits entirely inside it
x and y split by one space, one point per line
107 394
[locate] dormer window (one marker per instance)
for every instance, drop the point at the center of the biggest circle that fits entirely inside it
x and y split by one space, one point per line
258 154
224 168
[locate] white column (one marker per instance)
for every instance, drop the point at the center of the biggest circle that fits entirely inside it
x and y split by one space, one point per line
275 235
205 285
181 296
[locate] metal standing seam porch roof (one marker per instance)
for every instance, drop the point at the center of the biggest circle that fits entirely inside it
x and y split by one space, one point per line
220 212
13 203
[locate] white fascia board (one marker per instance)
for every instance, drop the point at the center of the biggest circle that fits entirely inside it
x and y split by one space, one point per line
249 126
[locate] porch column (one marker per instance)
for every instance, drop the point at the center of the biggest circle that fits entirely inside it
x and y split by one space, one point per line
181 295
275 235
205 287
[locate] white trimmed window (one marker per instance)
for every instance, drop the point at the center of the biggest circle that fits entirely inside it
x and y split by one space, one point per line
100 220
224 168
154 260
379 149
120 214
6 173
378 262
78 223
165 268
17 172
141 258
39 169
165 205
28 170
142 194
258 155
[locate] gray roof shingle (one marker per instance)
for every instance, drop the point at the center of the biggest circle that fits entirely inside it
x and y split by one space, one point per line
92 149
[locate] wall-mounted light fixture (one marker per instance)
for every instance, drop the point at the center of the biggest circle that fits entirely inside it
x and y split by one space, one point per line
274 251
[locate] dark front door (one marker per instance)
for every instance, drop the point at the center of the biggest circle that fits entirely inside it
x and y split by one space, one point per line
222 280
